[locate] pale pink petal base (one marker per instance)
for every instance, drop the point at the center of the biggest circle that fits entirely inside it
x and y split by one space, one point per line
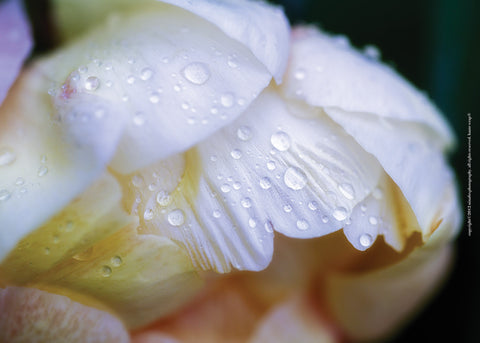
15 43
31 315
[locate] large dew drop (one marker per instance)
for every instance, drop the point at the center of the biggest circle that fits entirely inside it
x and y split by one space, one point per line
366 240
295 178
197 73
92 83
340 213
176 217
280 141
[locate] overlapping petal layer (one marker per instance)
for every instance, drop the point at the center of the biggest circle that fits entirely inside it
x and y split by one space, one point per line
15 45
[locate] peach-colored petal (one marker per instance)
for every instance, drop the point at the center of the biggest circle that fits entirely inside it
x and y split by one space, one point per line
31 315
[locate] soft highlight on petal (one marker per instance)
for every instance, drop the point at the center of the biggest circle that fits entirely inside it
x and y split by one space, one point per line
15 44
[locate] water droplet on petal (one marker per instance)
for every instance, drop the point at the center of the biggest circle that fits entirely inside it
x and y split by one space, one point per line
137 181
366 240
271 165
252 223
236 154
216 214
47 251
232 61
92 83
302 224
130 79
42 171
340 213
372 220
246 202
269 226
313 205
197 73
265 183
299 74
19 181
176 217
280 141
146 74
139 119
295 178
244 133
7 156
154 98
116 261
225 188
163 198
148 214
324 219
106 271
227 100
377 193
4 195
347 191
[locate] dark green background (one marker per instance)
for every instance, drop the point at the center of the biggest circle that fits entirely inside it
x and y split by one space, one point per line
436 45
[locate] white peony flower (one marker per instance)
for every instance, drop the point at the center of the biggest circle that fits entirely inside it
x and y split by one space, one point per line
166 139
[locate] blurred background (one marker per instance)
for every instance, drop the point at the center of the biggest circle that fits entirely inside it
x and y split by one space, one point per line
436 45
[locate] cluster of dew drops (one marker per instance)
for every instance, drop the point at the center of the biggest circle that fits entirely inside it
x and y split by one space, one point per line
21 185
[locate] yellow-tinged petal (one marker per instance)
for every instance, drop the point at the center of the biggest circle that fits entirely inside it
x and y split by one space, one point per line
32 315
373 304
91 217
139 276
90 250
49 161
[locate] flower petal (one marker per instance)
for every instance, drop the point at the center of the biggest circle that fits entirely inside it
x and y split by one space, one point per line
408 157
169 72
326 72
31 315
261 27
374 105
90 218
256 24
270 170
142 277
371 305
294 320
45 162
15 43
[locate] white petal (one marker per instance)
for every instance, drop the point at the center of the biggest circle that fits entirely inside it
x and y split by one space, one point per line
46 162
261 27
169 71
418 168
325 71
270 170
384 212
256 24
15 43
